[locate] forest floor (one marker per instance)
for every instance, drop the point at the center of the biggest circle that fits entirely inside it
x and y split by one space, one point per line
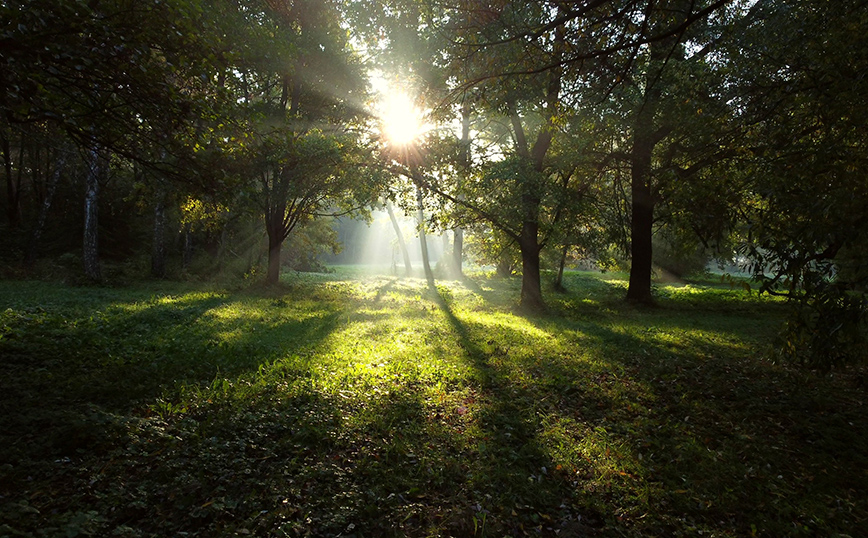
338 405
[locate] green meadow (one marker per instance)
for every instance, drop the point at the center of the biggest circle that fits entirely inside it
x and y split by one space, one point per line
354 405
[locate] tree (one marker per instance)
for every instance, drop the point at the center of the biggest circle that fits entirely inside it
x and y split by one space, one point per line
399 237
97 169
113 77
803 102
296 137
527 108
526 64
570 44
677 123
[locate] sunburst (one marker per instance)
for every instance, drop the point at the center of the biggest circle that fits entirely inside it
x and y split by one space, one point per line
401 120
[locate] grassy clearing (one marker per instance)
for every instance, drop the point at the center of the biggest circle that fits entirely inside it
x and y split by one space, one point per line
370 406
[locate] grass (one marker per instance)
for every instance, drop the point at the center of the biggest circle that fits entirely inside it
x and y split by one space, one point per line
352 405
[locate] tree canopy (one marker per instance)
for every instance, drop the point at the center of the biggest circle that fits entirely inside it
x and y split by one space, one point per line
645 134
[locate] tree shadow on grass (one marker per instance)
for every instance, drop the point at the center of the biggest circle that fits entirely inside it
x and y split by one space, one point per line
560 424
96 435
500 466
715 438
71 384
669 412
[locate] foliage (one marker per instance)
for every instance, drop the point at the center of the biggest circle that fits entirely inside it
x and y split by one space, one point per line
487 246
67 65
679 256
197 214
826 329
305 249
806 208
300 149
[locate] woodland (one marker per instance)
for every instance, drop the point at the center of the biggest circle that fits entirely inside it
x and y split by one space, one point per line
647 317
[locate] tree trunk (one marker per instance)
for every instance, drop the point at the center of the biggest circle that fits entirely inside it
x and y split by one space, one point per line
464 160
408 267
275 243
458 251
531 288
90 250
639 289
187 255
158 252
13 188
36 235
423 242
645 136
642 208
559 281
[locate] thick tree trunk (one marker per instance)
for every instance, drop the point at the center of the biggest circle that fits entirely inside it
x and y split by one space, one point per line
90 250
273 275
648 131
423 242
531 288
158 252
642 209
275 226
402 245
639 290
646 135
45 207
275 243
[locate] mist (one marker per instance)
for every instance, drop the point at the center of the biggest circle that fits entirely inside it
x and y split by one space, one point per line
375 246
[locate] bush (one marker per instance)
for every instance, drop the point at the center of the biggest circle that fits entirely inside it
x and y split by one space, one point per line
826 329
680 260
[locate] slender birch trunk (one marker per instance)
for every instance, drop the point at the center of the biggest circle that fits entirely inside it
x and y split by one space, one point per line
90 247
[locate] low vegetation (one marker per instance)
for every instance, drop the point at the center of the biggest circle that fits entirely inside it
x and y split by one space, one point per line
371 406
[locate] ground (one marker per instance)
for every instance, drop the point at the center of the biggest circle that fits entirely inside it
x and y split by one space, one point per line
349 405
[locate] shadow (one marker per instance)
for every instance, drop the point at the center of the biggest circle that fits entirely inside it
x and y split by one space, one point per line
61 389
533 491
391 409
503 294
384 290
705 429
150 400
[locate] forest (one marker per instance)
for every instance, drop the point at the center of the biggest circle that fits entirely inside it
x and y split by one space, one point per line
618 287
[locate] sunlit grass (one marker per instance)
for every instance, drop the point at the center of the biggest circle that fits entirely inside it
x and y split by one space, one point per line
373 405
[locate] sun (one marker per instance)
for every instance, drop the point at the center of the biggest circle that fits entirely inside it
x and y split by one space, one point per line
401 121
